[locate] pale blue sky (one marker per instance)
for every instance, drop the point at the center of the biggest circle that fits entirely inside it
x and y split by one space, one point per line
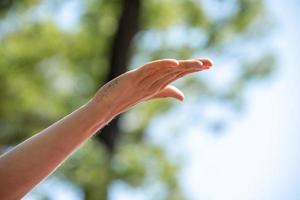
258 157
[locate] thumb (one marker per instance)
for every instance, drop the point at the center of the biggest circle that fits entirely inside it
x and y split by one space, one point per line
169 91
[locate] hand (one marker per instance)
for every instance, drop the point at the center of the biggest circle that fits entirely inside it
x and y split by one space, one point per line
41 154
150 81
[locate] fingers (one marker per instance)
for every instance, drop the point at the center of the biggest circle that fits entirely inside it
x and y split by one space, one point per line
178 76
158 74
169 91
157 65
164 63
190 64
155 75
186 67
206 62
153 69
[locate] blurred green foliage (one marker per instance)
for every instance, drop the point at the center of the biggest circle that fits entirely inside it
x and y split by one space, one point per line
47 71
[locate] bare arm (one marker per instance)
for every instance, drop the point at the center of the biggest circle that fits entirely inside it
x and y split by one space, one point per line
34 159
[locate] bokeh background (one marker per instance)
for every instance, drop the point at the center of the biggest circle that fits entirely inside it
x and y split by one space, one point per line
235 137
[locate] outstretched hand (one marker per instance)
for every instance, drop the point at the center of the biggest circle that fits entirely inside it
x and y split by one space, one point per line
30 162
150 81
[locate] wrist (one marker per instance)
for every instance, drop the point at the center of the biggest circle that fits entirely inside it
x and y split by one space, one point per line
98 114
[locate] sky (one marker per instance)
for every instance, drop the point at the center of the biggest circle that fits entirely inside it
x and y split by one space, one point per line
258 155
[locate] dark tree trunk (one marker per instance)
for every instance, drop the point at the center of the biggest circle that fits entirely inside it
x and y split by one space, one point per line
127 29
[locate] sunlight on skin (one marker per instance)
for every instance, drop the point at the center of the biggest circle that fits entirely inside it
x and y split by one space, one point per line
148 82
30 162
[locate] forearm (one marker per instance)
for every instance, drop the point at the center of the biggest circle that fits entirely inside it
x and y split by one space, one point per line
28 163
31 161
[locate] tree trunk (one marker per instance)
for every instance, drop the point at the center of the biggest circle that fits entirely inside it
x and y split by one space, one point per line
119 57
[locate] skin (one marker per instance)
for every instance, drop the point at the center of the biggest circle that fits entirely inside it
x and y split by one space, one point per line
23 167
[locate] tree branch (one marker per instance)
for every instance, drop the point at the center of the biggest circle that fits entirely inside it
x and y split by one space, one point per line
127 29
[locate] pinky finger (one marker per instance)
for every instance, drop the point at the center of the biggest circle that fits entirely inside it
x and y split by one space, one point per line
169 91
180 75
